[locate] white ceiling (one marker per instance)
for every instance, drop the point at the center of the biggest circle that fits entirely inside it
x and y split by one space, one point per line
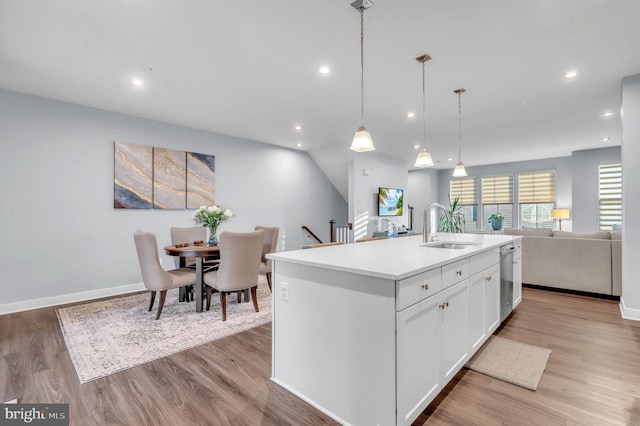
249 69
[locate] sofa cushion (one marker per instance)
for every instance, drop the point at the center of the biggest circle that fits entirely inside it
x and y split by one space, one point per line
529 232
598 235
616 235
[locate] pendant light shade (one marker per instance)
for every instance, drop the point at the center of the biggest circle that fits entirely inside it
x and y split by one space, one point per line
362 141
459 171
424 158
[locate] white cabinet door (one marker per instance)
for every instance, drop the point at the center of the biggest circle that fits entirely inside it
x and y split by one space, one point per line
419 374
492 299
517 279
477 329
455 328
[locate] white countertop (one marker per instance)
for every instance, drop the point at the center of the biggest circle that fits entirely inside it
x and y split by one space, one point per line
393 258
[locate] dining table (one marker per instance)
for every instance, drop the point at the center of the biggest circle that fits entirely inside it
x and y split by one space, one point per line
200 252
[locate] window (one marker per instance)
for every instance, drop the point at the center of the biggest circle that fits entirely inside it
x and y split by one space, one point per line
497 196
537 197
610 198
466 189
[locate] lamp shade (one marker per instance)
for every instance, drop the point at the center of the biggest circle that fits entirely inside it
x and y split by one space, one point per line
423 159
362 141
459 171
561 214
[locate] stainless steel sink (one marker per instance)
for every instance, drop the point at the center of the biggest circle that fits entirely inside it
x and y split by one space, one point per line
450 245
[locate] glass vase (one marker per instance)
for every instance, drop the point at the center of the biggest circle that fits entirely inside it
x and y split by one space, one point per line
213 237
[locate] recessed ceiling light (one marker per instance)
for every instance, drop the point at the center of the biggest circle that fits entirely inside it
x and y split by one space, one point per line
526 102
411 114
416 146
571 74
324 69
298 144
607 114
450 159
137 82
298 127
605 139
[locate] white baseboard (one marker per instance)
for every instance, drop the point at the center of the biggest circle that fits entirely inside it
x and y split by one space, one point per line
629 313
9 308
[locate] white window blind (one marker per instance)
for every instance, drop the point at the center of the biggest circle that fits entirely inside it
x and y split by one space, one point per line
610 189
466 189
497 189
537 187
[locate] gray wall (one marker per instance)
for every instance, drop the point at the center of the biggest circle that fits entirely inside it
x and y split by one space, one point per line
60 232
423 190
367 172
630 199
584 167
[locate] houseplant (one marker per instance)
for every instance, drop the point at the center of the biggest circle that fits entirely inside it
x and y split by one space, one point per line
212 217
453 219
496 220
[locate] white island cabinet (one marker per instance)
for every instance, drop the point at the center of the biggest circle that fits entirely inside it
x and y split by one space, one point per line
370 333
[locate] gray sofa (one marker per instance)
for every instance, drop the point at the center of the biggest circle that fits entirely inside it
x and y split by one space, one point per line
589 262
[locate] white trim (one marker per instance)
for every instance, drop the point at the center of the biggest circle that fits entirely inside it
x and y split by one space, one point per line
310 402
9 308
629 313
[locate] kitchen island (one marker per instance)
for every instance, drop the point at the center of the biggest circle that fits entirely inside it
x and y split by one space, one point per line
369 333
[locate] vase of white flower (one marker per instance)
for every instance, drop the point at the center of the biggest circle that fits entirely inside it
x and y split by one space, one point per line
212 217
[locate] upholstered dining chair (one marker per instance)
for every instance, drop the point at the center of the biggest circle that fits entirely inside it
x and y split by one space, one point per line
240 254
191 235
154 277
270 245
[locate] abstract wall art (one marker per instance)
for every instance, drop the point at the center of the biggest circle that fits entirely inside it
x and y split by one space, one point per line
146 177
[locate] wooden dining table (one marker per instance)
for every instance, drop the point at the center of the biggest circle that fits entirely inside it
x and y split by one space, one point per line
201 253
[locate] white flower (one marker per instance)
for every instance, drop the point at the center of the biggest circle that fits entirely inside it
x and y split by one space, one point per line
228 213
216 209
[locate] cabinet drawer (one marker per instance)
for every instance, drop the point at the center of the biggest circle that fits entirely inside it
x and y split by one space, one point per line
482 261
418 287
455 272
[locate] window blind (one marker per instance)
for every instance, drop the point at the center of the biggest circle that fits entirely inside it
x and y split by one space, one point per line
497 189
466 189
537 187
610 190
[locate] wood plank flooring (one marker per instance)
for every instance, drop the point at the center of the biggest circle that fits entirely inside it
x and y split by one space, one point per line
592 378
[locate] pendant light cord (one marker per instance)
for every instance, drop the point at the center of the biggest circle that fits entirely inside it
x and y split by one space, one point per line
362 64
459 126
424 114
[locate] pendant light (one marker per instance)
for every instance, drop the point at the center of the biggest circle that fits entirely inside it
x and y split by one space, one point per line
459 170
424 158
362 139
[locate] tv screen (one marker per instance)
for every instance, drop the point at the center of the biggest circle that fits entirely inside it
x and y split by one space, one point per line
389 202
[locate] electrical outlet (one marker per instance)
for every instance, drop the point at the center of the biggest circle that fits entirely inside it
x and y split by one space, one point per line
284 291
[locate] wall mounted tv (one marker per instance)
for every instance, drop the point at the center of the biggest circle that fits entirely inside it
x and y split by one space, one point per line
389 202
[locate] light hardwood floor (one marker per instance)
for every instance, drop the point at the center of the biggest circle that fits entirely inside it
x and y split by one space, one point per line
592 378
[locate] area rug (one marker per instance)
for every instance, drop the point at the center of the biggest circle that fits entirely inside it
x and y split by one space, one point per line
511 361
112 335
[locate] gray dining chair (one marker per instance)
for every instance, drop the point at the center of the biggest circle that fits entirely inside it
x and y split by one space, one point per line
270 245
154 277
240 254
191 235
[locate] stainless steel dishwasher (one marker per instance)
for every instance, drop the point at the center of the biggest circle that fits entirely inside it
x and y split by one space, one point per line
507 253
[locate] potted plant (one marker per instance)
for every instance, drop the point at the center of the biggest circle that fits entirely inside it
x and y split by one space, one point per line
496 220
453 220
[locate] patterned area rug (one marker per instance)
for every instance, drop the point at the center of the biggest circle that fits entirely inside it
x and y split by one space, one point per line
116 334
